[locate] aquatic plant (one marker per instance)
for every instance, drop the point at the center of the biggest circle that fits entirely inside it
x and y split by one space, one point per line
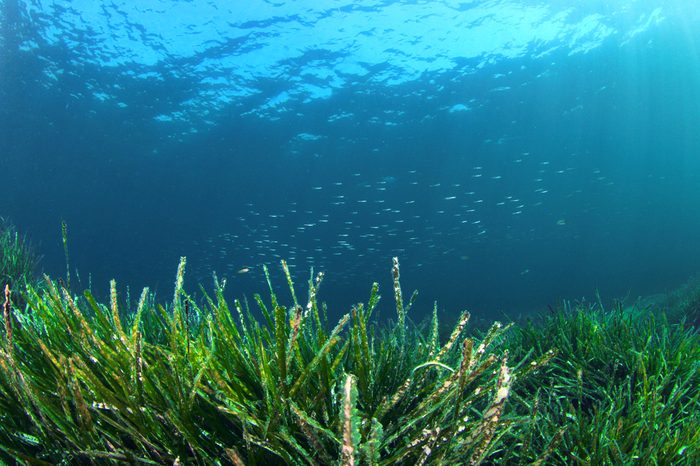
64 238
18 261
206 383
683 302
623 388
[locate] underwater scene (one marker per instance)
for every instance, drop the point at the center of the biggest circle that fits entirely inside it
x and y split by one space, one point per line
214 215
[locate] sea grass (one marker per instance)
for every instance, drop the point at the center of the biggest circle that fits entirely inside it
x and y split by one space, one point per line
201 382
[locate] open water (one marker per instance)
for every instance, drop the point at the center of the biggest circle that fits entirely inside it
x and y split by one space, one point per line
510 153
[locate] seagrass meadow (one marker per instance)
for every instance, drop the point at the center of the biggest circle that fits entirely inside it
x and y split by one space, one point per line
261 167
18 260
204 381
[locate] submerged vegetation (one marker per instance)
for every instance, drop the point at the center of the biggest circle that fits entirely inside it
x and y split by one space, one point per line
205 382
18 261
623 389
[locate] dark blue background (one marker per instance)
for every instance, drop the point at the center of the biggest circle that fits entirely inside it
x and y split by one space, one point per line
612 135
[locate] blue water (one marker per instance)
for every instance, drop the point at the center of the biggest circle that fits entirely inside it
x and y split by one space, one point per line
510 153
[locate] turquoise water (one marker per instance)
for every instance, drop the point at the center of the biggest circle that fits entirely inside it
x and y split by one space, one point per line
511 154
